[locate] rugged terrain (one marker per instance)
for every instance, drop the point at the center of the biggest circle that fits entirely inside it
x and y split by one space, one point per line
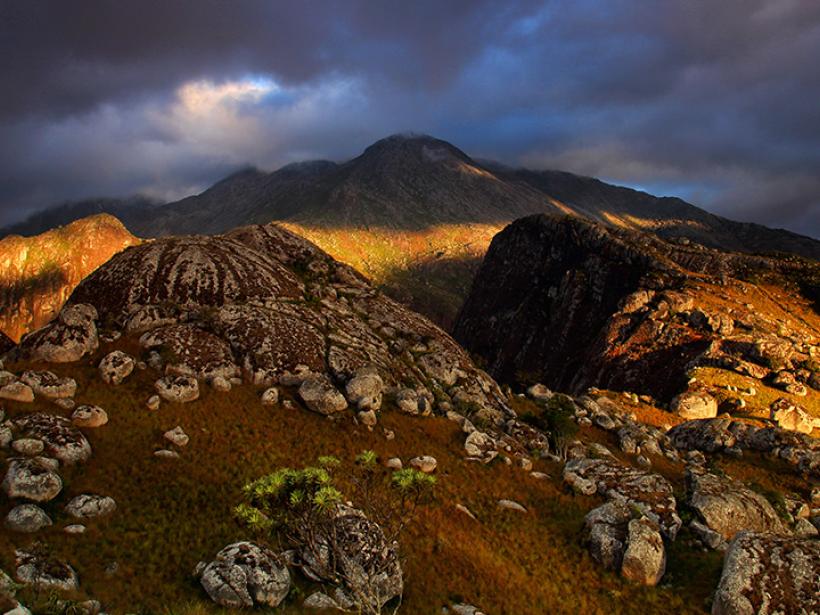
37 274
575 304
416 214
187 367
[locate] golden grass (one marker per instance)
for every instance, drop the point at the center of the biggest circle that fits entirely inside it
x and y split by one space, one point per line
173 513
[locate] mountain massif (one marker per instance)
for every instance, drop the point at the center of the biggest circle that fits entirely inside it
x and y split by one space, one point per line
415 214
37 274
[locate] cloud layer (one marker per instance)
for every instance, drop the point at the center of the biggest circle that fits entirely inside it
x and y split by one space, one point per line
715 102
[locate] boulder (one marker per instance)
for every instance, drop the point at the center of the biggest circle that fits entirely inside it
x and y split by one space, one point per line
28 446
412 402
89 416
321 396
116 366
649 493
192 351
694 405
245 574
511 505
17 391
62 439
270 397
791 416
425 463
68 338
644 560
539 392
727 507
605 533
27 518
365 389
179 389
32 479
176 436
479 444
44 572
49 384
768 574
87 506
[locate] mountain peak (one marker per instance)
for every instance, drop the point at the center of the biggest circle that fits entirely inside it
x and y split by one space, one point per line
420 146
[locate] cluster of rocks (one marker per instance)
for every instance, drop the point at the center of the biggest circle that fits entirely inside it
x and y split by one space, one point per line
264 306
352 558
724 434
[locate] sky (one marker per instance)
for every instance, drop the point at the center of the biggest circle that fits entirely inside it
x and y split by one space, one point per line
715 102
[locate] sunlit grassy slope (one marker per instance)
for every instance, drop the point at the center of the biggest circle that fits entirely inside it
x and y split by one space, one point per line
173 513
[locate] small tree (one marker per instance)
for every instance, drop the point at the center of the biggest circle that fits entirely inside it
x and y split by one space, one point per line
301 507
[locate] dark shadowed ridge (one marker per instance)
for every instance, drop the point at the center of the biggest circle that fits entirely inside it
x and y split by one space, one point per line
415 182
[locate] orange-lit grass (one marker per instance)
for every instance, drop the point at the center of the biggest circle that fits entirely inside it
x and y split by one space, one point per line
172 513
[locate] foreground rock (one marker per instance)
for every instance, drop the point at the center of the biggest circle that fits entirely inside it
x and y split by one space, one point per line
62 439
321 396
649 493
727 507
32 479
89 416
87 506
767 574
68 338
621 539
27 518
694 405
44 572
244 574
116 366
178 389
48 384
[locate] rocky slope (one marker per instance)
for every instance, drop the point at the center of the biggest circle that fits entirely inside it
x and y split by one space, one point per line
575 304
187 367
37 274
416 214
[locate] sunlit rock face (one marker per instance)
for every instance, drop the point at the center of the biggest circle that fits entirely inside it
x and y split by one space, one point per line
37 274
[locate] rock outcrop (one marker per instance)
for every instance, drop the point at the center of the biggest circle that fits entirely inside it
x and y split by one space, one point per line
266 304
574 304
766 574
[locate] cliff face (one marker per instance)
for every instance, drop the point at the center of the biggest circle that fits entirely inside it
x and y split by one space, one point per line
37 274
575 304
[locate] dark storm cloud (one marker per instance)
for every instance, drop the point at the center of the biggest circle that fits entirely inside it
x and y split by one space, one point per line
715 101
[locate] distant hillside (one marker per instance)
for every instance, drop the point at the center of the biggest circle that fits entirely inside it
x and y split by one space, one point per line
416 214
37 274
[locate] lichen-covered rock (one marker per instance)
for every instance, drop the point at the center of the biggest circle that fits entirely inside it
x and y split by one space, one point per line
194 351
68 338
644 560
48 384
365 389
357 556
791 416
727 507
179 389
62 439
424 463
44 572
650 493
87 506
273 305
32 479
694 405
177 436
89 416
116 366
321 396
17 391
270 396
27 518
245 574
767 574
